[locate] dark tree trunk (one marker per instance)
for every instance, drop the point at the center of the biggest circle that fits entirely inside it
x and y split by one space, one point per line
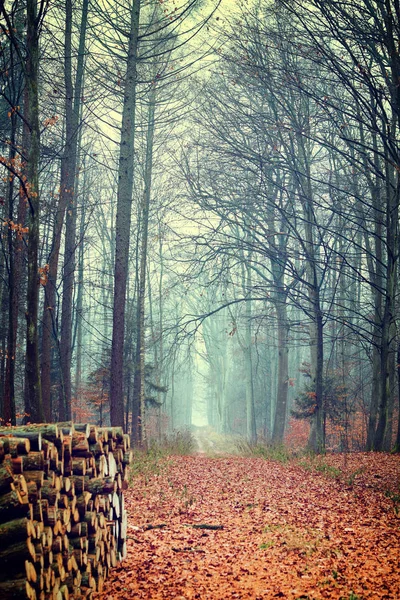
138 424
283 371
32 369
9 412
123 224
72 111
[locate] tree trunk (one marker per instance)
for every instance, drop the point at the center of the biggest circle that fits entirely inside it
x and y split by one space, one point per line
79 310
316 440
32 368
283 371
68 184
392 214
123 223
397 444
66 198
9 413
251 428
138 425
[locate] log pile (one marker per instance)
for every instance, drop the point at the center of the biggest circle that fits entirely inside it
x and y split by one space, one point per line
63 524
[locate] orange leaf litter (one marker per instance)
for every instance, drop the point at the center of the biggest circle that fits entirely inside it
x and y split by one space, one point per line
286 532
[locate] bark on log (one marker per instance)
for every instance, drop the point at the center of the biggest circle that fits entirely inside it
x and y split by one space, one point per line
12 505
17 589
6 478
35 437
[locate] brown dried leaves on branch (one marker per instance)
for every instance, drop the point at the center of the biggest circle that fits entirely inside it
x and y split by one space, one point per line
288 531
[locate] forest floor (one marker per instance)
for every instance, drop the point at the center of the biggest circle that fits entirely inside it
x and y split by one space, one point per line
224 527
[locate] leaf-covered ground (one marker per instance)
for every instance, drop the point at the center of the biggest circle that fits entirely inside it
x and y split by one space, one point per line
311 529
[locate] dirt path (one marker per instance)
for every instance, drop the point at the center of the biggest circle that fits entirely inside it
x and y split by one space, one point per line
280 532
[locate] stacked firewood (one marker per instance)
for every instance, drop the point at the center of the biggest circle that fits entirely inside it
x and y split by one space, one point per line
63 524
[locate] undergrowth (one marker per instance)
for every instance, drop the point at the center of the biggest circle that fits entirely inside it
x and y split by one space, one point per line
179 442
395 498
147 463
275 452
156 458
309 461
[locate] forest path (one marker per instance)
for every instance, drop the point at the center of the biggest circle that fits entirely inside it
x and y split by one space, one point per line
211 443
233 527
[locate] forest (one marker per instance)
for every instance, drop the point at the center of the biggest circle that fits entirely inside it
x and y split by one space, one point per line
200 218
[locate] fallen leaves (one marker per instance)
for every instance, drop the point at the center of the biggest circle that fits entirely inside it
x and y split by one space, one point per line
231 527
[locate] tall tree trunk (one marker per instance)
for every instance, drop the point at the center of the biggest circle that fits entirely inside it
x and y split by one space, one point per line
68 184
9 412
392 215
397 444
123 223
32 367
283 370
138 424
316 440
79 309
251 428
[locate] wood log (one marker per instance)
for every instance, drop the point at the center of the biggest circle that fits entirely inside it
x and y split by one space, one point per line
47 536
17 589
63 501
93 436
34 461
67 467
127 457
102 466
49 493
13 506
13 557
67 447
49 514
35 437
35 476
88 581
96 448
122 550
79 483
6 478
80 444
20 485
48 431
48 556
64 515
2 449
30 572
123 531
76 529
58 570
33 492
78 466
17 530
82 502
14 464
102 433
75 516
67 427
90 519
112 465
66 485
100 485
17 445
57 545
38 510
